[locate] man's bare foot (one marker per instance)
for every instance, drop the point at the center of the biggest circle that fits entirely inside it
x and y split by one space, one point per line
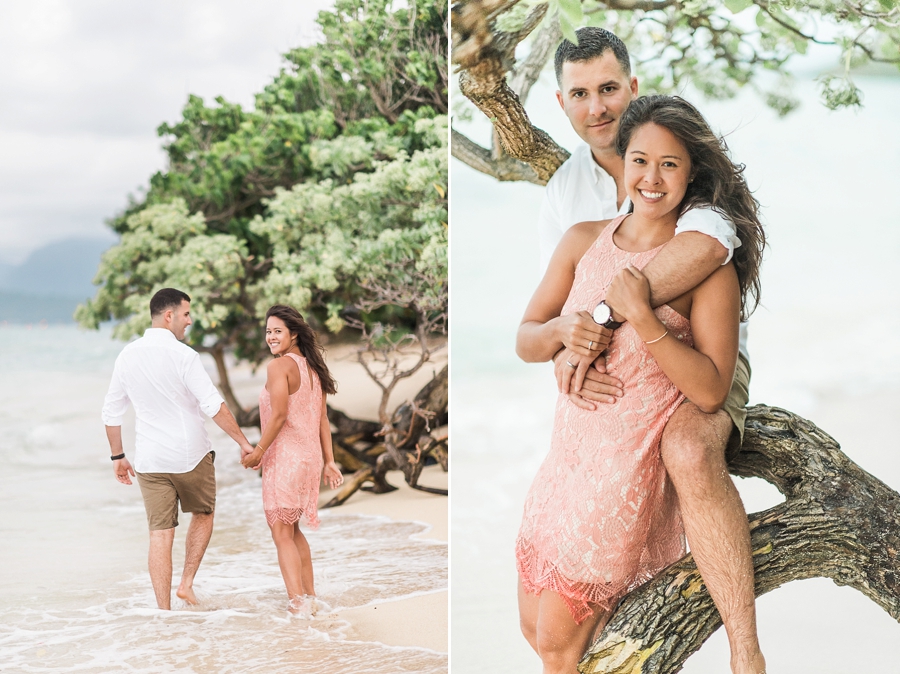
186 594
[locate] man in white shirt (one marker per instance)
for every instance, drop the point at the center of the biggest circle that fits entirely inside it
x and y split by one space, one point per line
173 461
596 86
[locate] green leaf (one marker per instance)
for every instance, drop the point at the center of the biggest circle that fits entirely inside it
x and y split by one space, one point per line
573 13
567 29
737 6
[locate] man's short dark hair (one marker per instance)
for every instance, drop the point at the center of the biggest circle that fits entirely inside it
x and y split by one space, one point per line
167 298
593 42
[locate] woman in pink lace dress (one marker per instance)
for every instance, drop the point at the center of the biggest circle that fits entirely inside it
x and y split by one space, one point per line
602 517
295 449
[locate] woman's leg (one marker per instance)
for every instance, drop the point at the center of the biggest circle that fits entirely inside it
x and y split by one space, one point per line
528 615
289 558
306 567
561 641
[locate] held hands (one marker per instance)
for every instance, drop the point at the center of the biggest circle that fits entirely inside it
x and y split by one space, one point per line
581 335
253 458
123 471
629 293
332 475
587 382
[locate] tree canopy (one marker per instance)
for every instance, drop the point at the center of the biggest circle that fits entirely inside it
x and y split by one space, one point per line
333 185
716 47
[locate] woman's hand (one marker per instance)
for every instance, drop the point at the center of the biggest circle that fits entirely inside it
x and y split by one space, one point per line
253 459
629 293
332 475
580 334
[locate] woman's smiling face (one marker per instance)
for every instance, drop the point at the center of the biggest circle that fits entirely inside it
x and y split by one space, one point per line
657 171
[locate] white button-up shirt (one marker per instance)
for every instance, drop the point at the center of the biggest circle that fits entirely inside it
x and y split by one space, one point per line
582 190
169 388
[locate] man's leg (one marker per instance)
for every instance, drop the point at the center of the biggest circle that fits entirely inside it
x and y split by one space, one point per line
197 493
693 451
160 562
199 533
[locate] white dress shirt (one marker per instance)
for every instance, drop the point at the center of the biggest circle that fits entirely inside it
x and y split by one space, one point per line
582 190
169 388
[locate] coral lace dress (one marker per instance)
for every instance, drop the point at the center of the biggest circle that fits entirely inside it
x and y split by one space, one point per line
292 465
602 517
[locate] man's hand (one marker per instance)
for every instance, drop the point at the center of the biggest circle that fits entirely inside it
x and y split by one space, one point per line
583 382
246 448
123 470
580 334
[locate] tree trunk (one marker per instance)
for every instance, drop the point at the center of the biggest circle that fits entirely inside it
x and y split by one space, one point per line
837 522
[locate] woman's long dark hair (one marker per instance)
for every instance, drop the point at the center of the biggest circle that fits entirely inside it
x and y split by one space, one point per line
718 183
307 343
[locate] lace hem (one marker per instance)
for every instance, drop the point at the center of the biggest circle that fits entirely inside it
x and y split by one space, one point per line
582 599
291 515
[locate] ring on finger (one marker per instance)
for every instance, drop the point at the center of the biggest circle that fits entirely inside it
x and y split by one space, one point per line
591 346
574 367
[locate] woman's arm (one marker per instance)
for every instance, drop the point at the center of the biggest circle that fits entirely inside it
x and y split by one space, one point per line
703 373
277 385
543 331
330 472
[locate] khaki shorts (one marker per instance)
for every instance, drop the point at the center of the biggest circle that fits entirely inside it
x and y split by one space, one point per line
736 402
162 491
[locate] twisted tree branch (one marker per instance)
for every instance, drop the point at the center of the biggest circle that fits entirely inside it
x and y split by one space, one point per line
837 522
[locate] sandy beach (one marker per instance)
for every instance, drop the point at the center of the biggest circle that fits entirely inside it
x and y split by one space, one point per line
417 621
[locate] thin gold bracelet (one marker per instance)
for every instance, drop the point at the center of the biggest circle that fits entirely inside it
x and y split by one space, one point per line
654 341
260 447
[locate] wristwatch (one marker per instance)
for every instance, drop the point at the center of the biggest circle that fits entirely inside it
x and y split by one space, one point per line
603 315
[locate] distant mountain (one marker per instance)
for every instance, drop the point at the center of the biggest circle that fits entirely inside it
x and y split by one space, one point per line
59 269
51 281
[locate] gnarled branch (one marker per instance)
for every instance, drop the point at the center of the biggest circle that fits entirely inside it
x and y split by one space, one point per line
837 522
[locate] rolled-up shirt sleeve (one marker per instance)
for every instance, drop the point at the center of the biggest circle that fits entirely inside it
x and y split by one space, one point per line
116 402
202 388
709 222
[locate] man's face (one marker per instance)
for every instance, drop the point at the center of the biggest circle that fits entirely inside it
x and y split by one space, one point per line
181 319
594 94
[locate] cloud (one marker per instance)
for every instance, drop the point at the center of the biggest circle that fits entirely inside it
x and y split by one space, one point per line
86 84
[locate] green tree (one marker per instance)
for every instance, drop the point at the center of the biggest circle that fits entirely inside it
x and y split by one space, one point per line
333 186
717 47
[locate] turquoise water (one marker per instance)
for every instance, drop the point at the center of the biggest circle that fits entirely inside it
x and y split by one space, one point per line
822 344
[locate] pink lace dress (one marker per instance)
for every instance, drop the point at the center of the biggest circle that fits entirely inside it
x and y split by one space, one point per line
602 517
292 465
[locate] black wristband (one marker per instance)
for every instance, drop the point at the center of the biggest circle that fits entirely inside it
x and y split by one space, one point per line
117 457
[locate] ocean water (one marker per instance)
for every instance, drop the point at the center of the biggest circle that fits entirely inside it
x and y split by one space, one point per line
822 344
75 595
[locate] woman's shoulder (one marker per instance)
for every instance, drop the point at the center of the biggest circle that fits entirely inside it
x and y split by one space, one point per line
579 237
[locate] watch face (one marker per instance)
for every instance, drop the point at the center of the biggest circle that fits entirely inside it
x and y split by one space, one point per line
602 313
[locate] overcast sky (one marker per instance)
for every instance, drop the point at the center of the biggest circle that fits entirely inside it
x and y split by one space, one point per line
83 86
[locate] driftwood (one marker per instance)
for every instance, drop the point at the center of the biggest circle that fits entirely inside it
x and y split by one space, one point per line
837 522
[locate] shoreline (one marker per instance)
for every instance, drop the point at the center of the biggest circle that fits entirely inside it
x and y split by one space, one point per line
420 620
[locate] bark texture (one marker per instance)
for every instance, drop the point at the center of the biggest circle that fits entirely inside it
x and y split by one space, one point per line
484 56
837 522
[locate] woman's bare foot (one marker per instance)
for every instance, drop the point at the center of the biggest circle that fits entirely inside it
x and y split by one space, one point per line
186 594
302 606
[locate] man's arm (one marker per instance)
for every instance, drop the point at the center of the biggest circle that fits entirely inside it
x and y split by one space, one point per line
121 467
225 420
682 264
